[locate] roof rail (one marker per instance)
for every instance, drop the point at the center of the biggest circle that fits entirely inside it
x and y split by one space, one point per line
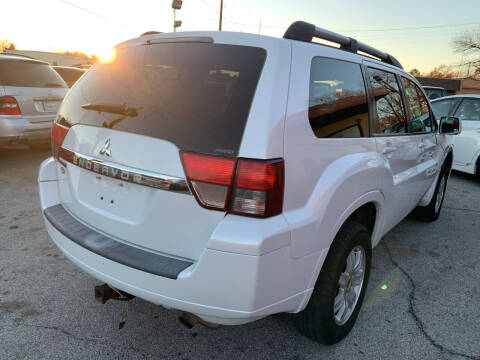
303 31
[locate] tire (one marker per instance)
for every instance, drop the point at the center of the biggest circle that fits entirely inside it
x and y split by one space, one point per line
431 212
319 320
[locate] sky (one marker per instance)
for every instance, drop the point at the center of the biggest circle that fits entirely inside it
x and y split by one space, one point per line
417 32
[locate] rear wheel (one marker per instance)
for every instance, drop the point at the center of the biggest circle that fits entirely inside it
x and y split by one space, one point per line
431 212
338 295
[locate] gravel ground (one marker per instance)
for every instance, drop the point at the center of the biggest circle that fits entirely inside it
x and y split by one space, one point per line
430 309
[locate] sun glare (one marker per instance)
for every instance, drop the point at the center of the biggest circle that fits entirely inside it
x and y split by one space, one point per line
107 55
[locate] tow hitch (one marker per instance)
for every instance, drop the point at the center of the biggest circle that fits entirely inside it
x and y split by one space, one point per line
190 320
105 292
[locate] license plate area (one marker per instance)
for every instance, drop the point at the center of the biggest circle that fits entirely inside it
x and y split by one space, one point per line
46 105
113 198
51 106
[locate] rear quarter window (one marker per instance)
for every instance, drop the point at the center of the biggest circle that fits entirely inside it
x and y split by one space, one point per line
338 101
26 73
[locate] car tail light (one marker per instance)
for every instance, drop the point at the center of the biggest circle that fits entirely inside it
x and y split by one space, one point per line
244 186
58 134
258 188
210 178
9 106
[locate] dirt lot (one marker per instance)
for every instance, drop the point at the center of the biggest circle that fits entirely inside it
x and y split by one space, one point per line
428 310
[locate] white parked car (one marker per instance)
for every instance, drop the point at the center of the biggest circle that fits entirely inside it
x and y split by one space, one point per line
30 94
234 176
466 156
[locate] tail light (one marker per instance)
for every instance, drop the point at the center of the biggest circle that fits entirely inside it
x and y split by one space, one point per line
210 178
58 134
244 186
9 106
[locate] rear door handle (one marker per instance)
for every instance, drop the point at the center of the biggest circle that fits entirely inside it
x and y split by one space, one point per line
388 149
422 146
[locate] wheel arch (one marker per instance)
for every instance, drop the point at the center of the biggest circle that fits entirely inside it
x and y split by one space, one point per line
448 160
368 209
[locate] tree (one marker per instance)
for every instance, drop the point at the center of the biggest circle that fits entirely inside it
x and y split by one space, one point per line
6 44
444 71
90 59
415 72
468 44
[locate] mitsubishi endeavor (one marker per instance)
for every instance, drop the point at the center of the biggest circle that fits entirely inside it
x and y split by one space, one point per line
233 176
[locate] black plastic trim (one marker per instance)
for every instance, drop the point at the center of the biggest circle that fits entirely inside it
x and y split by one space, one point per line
114 250
301 31
304 31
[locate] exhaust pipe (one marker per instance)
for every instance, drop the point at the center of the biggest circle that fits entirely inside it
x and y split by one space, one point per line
190 320
105 292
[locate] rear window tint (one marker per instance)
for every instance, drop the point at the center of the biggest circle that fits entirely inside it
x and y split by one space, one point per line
338 100
195 95
25 73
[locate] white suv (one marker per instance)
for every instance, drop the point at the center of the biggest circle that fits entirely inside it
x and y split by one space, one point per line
234 176
466 108
30 95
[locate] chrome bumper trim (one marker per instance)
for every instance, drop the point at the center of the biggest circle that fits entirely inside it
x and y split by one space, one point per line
124 173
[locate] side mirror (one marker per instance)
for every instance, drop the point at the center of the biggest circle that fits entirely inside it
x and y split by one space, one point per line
450 125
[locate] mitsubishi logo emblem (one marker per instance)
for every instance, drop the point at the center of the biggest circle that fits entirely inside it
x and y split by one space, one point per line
105 150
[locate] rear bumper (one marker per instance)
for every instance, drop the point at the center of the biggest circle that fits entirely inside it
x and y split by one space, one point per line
15 129
223 286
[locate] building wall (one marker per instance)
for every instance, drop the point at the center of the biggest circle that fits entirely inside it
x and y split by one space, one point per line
469 86
453 86
467 91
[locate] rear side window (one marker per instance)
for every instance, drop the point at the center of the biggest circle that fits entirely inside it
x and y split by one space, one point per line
419 112
388 103
195 95
469 109
338 100
26 73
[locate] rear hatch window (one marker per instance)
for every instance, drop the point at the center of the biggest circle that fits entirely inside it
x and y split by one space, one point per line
195 95
27 73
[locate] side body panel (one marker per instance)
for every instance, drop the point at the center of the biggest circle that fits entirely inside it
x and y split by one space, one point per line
323 177
467 144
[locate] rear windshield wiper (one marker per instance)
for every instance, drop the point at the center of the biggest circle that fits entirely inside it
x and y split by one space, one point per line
120 109
52 85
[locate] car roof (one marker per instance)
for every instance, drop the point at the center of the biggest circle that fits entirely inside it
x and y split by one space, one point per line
251 39
21 58
477 96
